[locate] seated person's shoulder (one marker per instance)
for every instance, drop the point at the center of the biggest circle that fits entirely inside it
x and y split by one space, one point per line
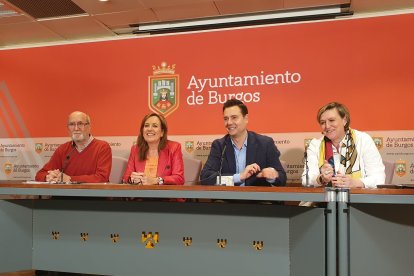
362 134
218 141
102 143
364 138
262 138
173 144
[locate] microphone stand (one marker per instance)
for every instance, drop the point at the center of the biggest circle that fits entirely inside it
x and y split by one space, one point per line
221 162
63 168
65 163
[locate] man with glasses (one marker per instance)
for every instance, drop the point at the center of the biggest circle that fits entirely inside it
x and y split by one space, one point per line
84 159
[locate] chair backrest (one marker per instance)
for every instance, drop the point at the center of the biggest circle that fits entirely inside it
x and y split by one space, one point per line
118 168
389 171
192 169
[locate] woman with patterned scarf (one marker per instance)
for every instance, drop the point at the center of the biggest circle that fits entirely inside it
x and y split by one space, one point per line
343 157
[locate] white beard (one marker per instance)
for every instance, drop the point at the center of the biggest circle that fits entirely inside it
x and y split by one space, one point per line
78 137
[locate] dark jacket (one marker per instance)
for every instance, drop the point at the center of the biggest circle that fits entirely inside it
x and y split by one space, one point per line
260 149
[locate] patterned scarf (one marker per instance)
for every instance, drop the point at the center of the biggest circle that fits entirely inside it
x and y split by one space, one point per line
349 155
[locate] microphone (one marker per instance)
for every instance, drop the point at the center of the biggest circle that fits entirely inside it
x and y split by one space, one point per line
221 160
66 162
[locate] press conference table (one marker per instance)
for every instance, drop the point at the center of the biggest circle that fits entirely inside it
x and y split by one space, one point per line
115 229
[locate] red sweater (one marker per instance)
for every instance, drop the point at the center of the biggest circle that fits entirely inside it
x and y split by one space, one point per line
92 165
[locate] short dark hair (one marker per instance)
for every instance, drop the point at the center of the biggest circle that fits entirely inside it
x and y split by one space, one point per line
342 111
235 102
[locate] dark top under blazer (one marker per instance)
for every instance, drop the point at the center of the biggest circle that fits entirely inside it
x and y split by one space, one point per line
260 149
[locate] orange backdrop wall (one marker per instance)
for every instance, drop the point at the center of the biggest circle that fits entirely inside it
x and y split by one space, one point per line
366 64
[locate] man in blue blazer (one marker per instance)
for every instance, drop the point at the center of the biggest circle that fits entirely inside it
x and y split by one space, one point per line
250 159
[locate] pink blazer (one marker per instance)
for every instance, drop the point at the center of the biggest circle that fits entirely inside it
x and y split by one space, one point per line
170 164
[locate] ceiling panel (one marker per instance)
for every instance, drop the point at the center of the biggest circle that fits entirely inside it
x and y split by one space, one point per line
98 7
27 32
78 28
196 10
124 19
15 19
362 6
237 6
294 4
172 3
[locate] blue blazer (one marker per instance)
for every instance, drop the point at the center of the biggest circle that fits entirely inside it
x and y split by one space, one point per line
260 149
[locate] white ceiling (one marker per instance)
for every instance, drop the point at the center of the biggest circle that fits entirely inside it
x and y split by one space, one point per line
113 18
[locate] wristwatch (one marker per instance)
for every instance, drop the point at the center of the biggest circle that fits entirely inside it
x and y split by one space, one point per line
160 181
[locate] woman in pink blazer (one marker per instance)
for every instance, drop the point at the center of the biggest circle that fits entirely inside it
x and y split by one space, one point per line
154 160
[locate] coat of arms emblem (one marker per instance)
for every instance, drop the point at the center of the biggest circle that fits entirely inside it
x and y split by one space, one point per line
189 146
378 142
8 168
39 147
400 167
163 89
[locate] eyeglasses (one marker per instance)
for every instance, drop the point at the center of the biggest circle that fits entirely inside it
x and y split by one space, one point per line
77 124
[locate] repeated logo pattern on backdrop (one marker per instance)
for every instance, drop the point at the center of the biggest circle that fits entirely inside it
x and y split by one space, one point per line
21 161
